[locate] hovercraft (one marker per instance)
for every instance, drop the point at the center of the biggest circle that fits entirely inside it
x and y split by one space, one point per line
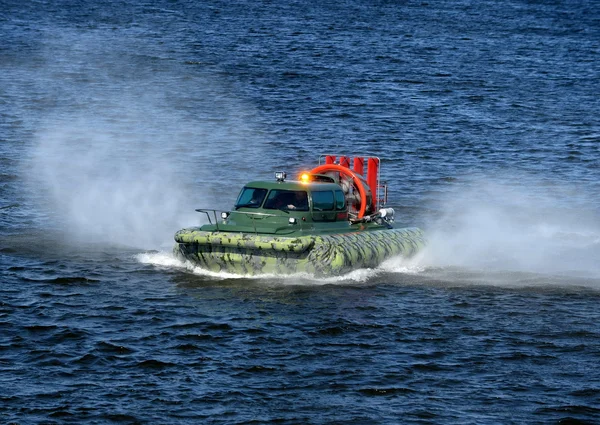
330 221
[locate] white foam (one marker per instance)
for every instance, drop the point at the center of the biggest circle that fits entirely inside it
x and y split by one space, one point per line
399 264
168 260
355 276
162 259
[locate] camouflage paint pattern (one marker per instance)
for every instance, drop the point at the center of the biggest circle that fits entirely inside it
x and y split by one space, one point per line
320 255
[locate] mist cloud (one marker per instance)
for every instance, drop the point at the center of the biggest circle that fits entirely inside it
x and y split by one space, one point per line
125 147
531 228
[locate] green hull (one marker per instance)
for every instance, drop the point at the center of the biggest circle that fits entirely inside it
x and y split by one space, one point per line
323 255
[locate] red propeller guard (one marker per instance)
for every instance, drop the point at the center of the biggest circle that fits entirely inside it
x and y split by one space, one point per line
348 172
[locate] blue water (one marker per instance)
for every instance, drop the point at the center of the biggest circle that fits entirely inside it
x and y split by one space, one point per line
117 120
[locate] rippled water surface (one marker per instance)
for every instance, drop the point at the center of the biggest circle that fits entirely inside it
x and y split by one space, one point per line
117 120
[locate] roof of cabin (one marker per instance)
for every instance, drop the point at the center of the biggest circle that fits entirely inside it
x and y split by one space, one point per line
292 185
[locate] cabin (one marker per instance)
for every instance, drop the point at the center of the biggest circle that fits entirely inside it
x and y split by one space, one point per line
314 201
330 198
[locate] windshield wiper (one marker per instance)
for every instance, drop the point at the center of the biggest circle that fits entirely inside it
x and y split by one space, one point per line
248 205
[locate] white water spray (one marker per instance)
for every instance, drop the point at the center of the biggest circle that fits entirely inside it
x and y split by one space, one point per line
495 227
131 147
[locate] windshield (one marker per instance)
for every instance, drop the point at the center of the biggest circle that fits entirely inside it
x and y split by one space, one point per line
250 197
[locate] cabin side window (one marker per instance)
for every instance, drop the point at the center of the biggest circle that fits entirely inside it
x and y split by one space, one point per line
323 200
250 197
340 200
293 200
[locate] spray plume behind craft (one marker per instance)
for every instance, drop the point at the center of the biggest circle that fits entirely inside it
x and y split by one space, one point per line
525 227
